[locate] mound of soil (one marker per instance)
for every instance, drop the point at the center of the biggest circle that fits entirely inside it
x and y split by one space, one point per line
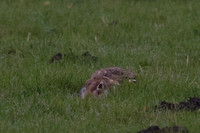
191 105
156 129
88 57
114 22
85 57
56 57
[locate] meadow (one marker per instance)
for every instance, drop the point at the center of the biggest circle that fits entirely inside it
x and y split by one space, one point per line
157 39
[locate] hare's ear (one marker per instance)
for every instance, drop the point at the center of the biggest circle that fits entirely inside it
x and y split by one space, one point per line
108 79
111 81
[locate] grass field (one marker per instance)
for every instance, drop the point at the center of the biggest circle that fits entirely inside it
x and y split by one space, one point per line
157 39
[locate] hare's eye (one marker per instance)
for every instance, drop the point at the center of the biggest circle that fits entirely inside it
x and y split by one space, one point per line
100 86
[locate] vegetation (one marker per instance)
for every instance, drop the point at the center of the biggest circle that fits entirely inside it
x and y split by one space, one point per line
157 39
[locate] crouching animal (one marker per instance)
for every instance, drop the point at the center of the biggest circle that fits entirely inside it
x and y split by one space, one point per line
104 79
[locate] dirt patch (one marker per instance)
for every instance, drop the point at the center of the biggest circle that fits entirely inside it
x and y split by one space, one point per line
192 104
156 129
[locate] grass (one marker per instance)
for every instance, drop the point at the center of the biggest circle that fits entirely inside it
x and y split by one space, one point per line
159 40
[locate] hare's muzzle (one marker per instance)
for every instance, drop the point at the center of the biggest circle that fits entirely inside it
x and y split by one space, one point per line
83 92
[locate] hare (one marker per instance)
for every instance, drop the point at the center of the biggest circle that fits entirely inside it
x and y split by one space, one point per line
102 80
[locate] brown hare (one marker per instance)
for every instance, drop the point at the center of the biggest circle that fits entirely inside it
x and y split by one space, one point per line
104 79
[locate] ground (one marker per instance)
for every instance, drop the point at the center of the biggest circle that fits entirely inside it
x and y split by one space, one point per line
158 40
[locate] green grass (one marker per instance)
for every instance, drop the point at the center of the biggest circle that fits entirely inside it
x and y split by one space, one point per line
157 39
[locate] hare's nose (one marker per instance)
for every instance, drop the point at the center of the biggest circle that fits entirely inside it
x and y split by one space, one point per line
82 92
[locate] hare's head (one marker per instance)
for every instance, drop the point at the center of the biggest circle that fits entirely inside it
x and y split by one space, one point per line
96 87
